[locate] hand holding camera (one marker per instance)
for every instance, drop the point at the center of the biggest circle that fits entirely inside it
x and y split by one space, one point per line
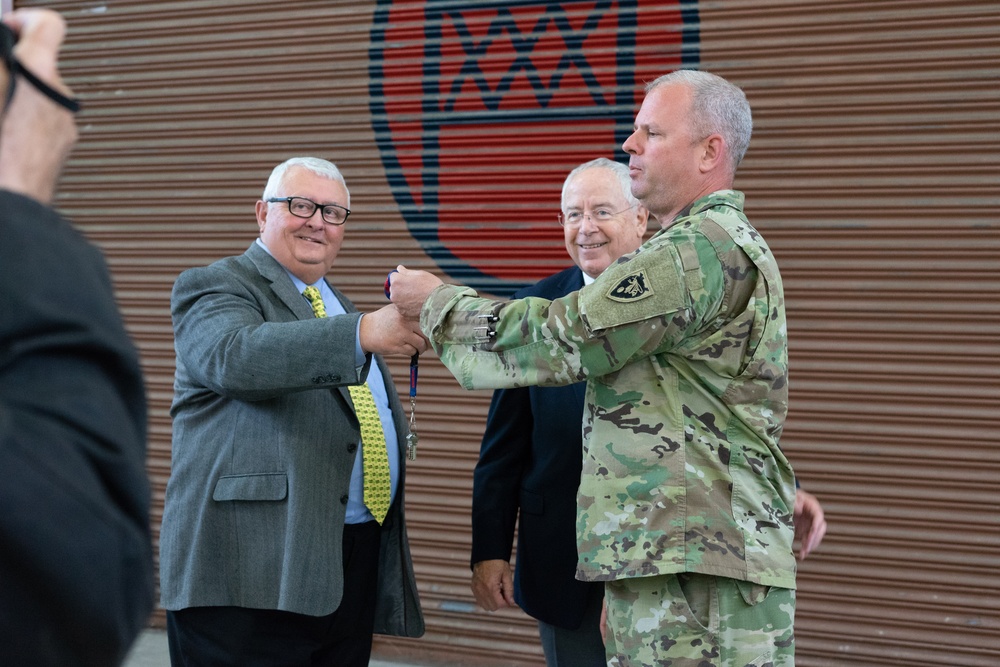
38 129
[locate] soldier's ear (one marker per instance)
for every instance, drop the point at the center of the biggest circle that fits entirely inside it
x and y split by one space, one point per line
713 150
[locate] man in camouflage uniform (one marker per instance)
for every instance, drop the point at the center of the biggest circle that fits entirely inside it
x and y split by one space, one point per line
686 501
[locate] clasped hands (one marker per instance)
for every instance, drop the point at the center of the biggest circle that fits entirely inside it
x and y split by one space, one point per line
408 290
395 329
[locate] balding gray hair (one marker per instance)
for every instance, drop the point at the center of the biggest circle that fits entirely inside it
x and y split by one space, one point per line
620 171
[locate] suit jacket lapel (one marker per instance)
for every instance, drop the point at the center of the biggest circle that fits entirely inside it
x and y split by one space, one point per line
282 286
284 290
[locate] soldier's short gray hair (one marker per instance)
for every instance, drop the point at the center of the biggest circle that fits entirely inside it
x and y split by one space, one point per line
318 166
717 107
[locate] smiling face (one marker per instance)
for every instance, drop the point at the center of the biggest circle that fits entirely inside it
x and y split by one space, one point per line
594 245
306 247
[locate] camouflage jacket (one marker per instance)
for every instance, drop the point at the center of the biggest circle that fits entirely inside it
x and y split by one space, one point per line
684 349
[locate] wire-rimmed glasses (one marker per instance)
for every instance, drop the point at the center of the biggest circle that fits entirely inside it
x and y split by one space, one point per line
599 215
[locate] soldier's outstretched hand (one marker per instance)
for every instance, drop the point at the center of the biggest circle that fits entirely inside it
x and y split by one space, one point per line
410 289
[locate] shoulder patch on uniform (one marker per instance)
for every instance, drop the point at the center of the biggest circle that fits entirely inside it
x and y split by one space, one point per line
649 284
633 287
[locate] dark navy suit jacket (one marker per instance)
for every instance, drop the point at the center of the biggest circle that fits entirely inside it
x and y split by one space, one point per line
530 461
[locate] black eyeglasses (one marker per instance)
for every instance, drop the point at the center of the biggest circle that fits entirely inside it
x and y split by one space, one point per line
301 207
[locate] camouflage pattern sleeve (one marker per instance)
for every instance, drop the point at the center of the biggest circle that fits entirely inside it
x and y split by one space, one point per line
639 307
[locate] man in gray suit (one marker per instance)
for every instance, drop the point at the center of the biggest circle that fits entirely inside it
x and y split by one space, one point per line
268 552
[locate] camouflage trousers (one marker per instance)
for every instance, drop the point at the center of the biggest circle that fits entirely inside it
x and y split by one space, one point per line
696 620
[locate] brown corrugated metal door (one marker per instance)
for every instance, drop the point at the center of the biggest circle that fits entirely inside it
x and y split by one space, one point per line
873 173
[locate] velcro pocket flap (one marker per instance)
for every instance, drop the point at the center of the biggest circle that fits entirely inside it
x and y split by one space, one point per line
649 285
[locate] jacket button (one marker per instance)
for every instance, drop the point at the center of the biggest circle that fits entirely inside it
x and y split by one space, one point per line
352 447
343 499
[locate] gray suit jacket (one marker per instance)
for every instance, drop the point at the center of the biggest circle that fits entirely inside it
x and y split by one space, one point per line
264 438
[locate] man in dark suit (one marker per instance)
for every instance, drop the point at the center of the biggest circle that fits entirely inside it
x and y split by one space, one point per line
531 456
271 552
76 567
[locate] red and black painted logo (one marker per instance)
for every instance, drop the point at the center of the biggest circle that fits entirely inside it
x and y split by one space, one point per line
480 109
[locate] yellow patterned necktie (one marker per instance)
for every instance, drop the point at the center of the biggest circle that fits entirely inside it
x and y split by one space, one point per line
374 457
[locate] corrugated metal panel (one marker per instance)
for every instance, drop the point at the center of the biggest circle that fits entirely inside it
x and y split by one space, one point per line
873 173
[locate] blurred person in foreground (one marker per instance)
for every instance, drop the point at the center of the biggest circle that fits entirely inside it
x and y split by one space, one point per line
686 501
76 567
283 539
531 458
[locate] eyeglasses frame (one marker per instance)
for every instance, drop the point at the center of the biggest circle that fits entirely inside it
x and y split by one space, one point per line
562 223
318 207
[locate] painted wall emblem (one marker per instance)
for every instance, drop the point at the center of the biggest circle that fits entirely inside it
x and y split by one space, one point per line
480 109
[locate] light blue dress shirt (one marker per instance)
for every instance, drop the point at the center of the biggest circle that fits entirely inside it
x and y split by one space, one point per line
356 510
